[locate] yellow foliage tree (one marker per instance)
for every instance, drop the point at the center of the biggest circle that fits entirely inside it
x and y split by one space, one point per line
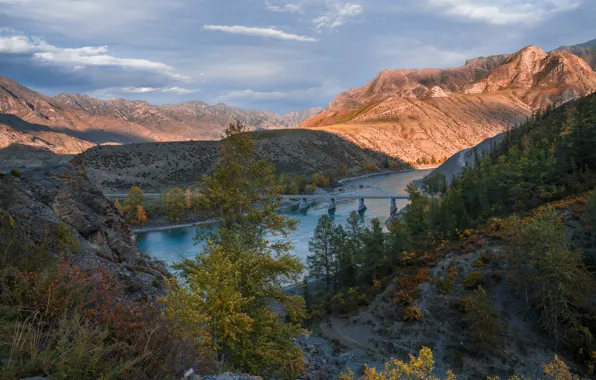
175 204
141 216
118 205
241 272
418 368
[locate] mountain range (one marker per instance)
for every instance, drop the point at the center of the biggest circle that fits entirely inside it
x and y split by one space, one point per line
73 123
416 116
425 115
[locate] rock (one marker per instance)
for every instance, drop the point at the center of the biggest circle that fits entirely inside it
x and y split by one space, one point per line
61 198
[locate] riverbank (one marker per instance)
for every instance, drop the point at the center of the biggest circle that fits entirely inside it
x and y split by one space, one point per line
384 172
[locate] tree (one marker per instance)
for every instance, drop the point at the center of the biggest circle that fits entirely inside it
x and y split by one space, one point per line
482 319
187 199
175 204
562 283
141 216
322 262
135 197
415 212
243 195
373 253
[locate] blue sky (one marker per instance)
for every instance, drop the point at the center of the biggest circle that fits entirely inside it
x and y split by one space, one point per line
279 55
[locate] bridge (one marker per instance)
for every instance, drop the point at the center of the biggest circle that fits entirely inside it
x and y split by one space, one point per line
304 204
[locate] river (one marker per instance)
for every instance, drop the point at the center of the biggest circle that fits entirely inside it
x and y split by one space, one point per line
173 244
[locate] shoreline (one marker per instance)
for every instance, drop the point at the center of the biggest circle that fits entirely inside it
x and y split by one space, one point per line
347 179
172 226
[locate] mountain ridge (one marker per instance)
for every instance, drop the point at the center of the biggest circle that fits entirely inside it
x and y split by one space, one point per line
423 115
74 117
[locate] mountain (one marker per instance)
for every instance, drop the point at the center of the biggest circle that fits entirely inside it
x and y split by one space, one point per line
586 51
418 115
73 123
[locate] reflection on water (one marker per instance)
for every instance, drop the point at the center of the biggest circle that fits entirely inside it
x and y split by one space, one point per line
174 244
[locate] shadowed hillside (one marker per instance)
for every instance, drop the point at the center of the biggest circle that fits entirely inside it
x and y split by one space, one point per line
162 165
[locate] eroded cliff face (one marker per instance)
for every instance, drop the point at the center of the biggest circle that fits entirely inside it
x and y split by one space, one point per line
61 198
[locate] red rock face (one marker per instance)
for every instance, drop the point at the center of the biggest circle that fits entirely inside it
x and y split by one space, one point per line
420 114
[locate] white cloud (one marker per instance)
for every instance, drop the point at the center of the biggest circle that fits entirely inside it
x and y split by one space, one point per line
326 90
336 15
144 90
502 12
78 57
411 53
290 7
328 14
259 32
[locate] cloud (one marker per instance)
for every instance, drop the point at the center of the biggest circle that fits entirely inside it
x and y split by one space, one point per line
327 89
79 57
503 12
144 90
411 53
336 15
259 32
290 7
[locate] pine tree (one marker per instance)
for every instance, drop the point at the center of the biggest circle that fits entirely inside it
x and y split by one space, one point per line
322 261
373 255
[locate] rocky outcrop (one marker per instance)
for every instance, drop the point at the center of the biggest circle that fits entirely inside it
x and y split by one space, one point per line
540 79
61 198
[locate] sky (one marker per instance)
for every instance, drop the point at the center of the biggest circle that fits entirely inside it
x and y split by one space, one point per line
278 55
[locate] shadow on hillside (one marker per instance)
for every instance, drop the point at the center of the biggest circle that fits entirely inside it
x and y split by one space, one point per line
95 136
164 165
19 156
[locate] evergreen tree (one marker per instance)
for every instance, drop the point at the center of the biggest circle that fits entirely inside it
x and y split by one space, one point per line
322 261
373 254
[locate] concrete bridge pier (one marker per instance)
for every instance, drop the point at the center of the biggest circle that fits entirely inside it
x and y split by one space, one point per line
392 207
331 206
361 206
303 205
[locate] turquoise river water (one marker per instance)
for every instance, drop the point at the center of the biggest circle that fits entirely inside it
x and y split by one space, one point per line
173 244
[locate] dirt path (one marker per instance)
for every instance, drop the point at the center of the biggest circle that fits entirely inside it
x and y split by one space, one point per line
336 329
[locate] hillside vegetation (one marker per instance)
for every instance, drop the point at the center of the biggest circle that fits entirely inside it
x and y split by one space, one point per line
154 166
495 273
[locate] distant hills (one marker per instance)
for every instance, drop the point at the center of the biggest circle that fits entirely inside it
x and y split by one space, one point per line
73 123
425 115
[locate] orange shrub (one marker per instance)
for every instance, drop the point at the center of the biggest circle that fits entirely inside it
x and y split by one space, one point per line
412 313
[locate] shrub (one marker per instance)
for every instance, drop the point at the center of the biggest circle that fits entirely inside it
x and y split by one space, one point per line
369 168
412 313
474 279
15 173
482 319
445 286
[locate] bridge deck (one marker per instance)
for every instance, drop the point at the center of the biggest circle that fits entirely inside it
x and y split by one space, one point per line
312 196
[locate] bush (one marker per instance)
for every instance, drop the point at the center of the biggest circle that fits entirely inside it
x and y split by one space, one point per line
15 173
412 313
445 286
474 279
482 319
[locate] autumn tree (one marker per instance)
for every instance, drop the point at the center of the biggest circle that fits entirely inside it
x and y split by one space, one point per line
245 332
118 205
135 197
140 216
175 204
